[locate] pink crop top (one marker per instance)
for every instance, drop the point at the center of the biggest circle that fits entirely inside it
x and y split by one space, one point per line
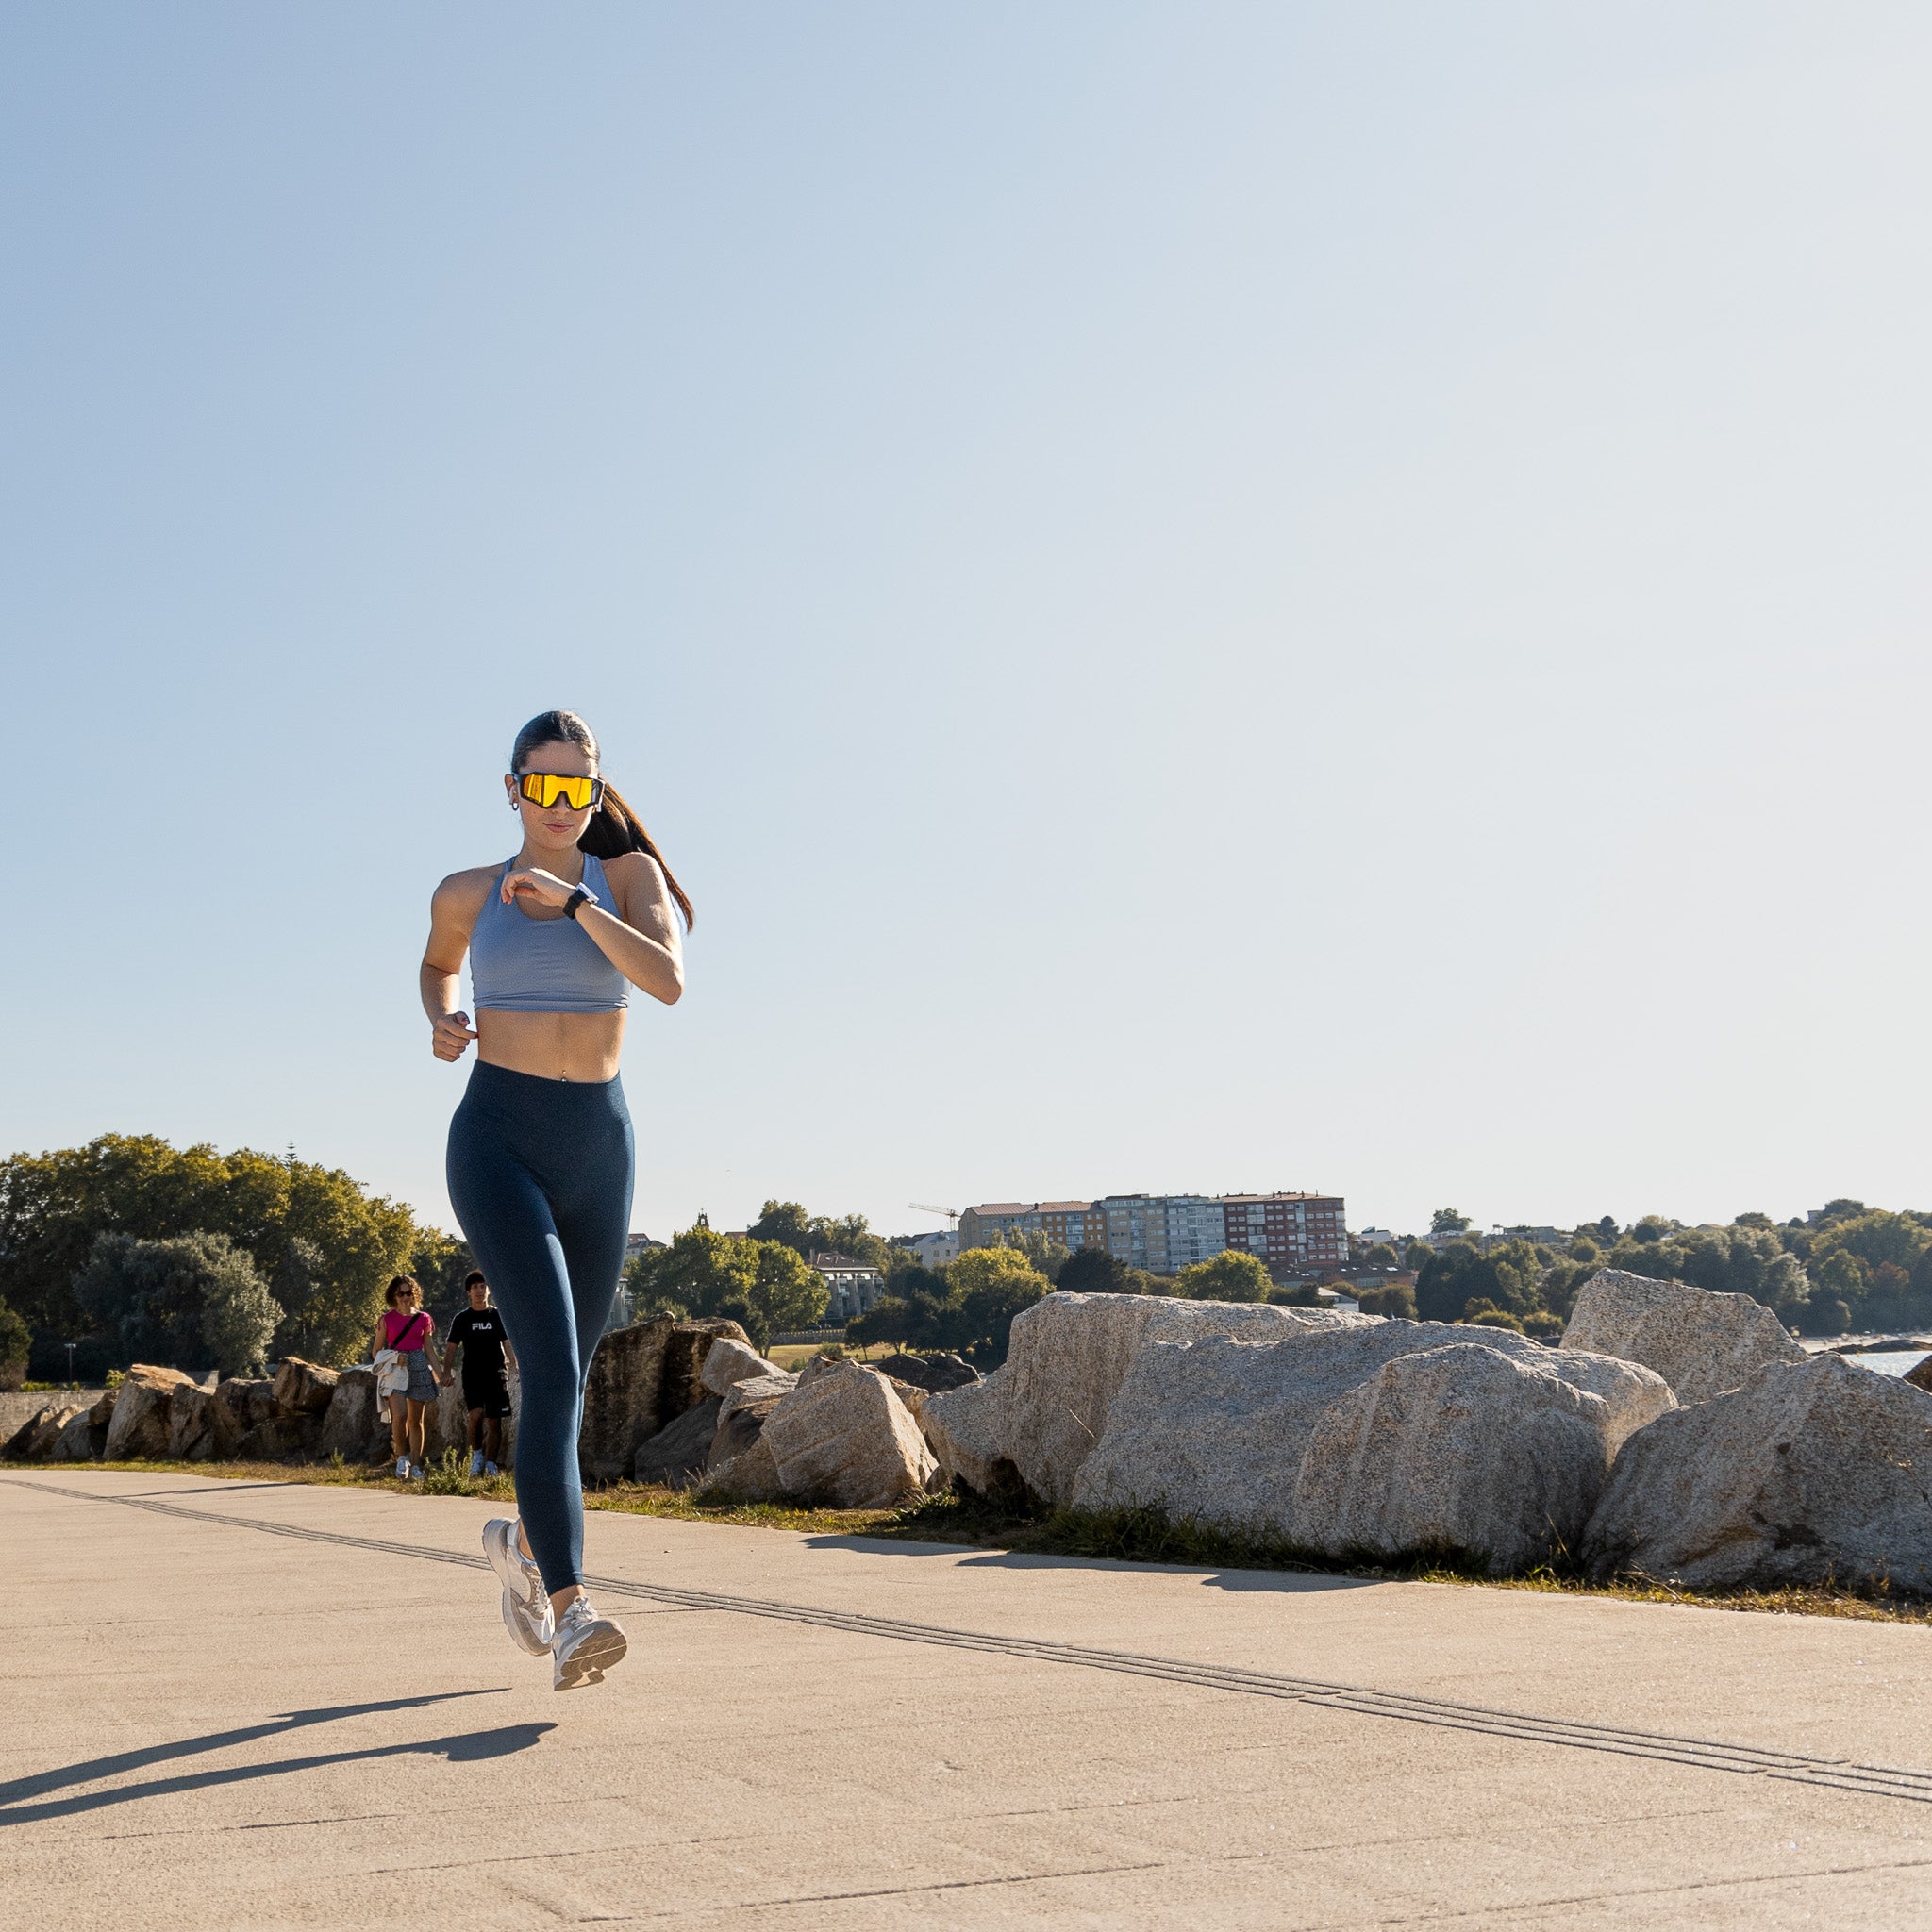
395 1322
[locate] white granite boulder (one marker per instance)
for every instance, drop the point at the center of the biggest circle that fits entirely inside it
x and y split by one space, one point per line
1700 1341
746 1407
676 1455
143 1423
1813 1471
1216 1430
85 1437
1458 1450
728 1362
1042 1413
843 1438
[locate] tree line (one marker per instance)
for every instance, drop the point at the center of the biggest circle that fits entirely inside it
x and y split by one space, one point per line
1850 1268
134 1249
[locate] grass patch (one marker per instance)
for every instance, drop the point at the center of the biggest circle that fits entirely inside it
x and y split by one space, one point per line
1120 1536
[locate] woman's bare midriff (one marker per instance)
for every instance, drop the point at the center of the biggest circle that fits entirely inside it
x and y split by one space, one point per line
552 1047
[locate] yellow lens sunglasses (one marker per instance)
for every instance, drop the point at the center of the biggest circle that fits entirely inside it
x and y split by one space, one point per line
543 789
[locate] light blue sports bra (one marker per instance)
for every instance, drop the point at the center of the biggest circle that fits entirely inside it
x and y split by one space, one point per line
524 965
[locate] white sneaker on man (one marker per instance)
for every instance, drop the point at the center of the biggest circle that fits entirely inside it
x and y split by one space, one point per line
526 1602
475 1462
586 1645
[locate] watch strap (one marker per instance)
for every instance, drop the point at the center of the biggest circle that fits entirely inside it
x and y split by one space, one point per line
581 897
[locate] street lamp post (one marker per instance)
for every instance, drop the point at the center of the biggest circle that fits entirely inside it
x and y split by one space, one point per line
70 1363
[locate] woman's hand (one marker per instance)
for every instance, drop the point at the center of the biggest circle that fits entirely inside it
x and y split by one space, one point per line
451 1037
444 1377
546 888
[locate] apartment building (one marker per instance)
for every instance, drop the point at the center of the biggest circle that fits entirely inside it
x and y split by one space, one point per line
936 1250
1072 1224
1288 1230
1164 1233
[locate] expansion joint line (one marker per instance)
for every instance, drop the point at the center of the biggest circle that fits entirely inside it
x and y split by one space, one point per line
1703 1753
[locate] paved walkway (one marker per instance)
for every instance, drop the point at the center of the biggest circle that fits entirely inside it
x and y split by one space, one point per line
232 1704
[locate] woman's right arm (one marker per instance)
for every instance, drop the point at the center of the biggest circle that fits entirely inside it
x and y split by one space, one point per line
453 909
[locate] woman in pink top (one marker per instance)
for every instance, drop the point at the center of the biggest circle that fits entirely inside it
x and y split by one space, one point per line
408 1328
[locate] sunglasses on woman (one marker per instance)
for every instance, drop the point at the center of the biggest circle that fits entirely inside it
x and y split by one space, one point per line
543 789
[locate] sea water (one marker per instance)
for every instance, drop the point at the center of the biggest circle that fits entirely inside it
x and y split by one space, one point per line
1889 1362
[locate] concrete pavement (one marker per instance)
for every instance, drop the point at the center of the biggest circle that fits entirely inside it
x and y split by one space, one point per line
270 1705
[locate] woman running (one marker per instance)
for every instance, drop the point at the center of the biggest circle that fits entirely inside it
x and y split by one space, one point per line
539 1150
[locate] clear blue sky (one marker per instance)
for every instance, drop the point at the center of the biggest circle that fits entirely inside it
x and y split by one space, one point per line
1203 596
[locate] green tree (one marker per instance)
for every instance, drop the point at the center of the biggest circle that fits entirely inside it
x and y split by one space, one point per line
990 1286
1046 1257
1381 1256
1093 1270
1507 1277
1397 1300
1417 1256
1228 1276
1585 1250
188 1300
763 1286
1447 1220
54 1206
16 1341
806 1235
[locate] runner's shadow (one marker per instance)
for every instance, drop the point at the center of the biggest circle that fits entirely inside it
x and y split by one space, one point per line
461 1749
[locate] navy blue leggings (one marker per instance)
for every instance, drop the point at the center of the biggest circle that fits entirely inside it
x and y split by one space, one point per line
540 1174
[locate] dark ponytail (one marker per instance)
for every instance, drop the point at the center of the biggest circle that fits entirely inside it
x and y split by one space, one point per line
614 828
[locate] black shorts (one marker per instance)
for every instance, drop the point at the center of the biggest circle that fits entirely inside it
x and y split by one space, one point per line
493 1398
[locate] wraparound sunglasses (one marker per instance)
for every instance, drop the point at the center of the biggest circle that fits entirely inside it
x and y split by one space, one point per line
543 789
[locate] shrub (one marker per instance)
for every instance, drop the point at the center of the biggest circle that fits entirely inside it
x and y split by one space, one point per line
1398 1300
1093 1270
1495 1317
1543 1326
1231 1277
193 1299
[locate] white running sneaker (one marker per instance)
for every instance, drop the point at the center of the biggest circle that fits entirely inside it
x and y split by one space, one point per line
475 1462
526 1602
586 1645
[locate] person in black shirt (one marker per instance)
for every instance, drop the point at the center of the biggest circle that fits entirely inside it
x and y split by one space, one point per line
478 1331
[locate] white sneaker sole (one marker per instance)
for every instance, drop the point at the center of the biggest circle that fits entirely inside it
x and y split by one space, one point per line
600 1650
522 1625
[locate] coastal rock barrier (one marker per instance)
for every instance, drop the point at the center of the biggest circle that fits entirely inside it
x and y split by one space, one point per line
1691 1441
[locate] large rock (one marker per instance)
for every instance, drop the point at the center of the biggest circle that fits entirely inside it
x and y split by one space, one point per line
1701 1343
843 1438
750 1478
676 1455
142 1423
281 1439
303 1388
642 1378
36 1438
250 1402
85 1438
1811 1472
201 1427
744 1411
728 1362
1216 1430
935 1374
1456 1450
350 1429
1920 1376
1033 1422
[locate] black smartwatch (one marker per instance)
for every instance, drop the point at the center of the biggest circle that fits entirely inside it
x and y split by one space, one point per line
582 896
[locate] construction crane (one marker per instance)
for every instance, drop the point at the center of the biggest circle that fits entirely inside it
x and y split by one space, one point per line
952 1214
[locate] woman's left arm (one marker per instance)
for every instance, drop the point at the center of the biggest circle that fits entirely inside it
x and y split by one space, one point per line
638 935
